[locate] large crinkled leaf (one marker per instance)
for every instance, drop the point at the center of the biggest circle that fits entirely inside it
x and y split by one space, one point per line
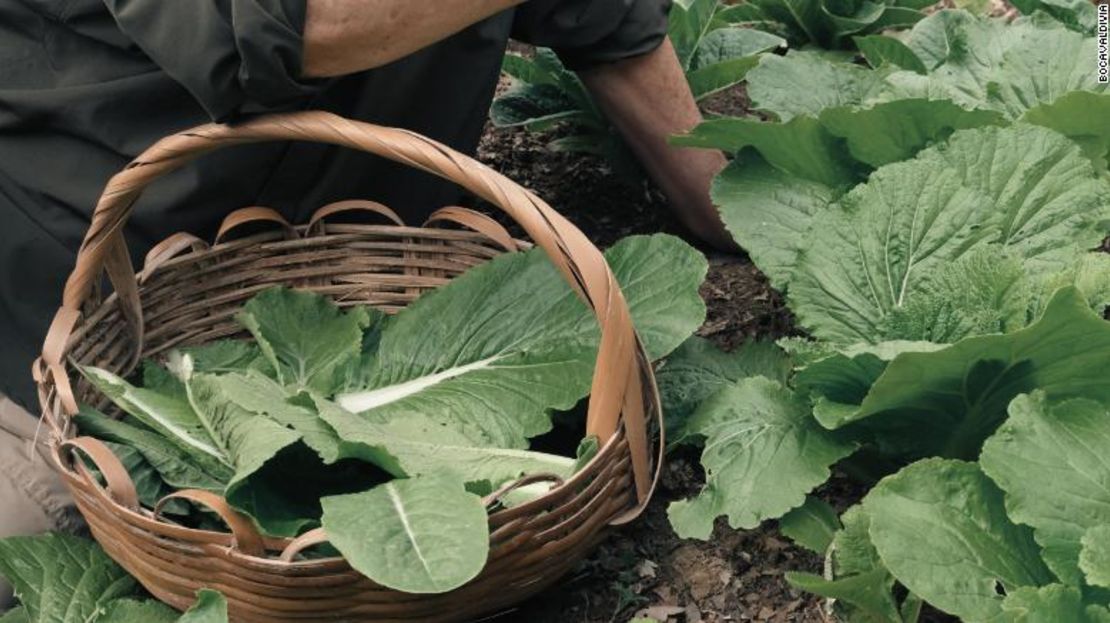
888 132
308 340
417 445
1054 603
949 401
985 291
178 467
768 212
60 578
811 525
989 63
491 353
805 83
1026 188
1050 204
660 276
1080 116
950 36
1094 557
763 453
800 147
419 535
869 255
698 369
941 528
1051 462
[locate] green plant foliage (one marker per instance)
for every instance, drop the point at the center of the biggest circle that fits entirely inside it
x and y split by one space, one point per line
940 526
697 369
1051 604
880 50
714 53
763 453
1051 463
1075 14
62 578
811 525
931 220
423 535
831 24
949 401
412 416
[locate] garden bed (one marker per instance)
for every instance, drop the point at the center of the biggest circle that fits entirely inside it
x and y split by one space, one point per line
737 575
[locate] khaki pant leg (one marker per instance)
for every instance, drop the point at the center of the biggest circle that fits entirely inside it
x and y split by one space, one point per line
32 496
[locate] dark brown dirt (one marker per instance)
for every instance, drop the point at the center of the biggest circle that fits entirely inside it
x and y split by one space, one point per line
646 568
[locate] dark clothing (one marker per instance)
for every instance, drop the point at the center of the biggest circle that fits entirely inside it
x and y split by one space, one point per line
86 85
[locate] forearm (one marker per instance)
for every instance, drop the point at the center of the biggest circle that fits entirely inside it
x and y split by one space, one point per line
347 36
648 100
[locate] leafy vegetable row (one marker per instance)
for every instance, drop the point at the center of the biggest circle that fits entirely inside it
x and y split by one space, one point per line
931 221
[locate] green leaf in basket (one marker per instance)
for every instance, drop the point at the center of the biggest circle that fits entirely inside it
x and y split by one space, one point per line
418 535
177 467
60 578
308 340
416 445
492 353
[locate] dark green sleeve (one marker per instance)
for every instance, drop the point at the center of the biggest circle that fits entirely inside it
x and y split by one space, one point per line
587 33
233 56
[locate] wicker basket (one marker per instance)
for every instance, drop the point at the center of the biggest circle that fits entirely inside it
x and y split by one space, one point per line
188 293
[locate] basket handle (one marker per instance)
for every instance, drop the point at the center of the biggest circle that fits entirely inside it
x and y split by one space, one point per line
616 386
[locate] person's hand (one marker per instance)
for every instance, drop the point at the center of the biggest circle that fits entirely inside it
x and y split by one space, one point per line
689 180
648 99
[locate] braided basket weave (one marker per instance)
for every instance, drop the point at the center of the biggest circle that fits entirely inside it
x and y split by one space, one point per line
188 293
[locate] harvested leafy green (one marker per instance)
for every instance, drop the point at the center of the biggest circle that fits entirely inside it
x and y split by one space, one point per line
61 578
418 535
391 427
